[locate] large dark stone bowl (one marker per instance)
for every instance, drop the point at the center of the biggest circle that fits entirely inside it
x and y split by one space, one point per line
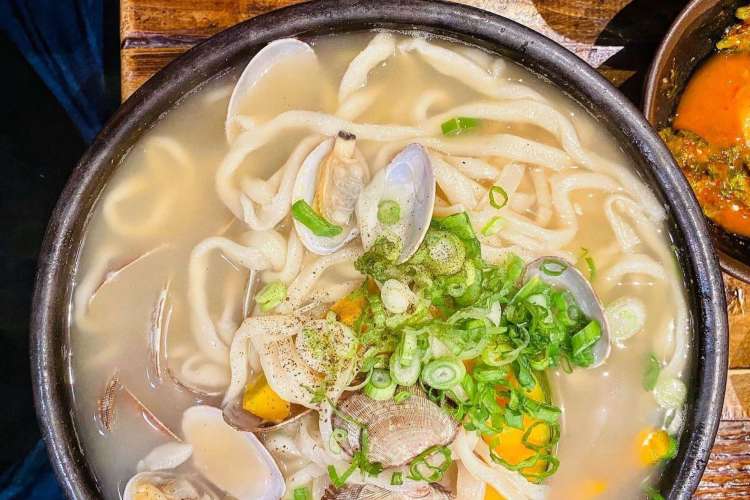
234 47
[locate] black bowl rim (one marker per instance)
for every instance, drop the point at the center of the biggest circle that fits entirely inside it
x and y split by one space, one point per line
729 246
52 394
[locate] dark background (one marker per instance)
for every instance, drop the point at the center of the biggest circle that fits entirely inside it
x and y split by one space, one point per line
40 144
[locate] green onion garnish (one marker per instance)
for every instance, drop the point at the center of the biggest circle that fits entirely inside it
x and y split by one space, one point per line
404 375
380 386
338 436
302 493
423 467
389 212
552 267
271 295
586 337
494 225
459 125
498 191
397 478
590 264
401 396
304 213
651 374
443 373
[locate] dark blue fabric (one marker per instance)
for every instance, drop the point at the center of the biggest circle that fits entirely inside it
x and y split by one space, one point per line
33 479
62 40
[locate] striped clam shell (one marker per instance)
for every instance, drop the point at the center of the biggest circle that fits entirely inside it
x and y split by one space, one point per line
372 492
397 432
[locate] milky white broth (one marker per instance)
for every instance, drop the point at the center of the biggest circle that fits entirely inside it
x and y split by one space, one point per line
169 206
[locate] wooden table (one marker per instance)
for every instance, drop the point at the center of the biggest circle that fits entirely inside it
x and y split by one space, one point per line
617 36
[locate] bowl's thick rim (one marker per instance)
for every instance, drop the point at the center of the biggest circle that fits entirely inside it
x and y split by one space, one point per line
52 393
663 57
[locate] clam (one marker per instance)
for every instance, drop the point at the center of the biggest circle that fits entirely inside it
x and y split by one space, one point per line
234 461
168 486
243 420
372 492
258 66
562 274
397 432
409 181
330 180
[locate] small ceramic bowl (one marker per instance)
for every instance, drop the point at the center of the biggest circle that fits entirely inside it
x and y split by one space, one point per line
690 40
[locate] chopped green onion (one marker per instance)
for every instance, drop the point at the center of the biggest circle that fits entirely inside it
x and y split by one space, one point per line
494 225
389 212
552 267
586 337
401 396
397 478
381 385
302 493
407 348
651 374
304 213
404 375
421 468
626 316
669 391
652 493
338 436
498 191
271 295
443 373
459 125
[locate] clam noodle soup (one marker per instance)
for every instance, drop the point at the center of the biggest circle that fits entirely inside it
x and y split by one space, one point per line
374 263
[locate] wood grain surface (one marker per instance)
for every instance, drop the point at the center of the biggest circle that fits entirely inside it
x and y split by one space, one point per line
153 32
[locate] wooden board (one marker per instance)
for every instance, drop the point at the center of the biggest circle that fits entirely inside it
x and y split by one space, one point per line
153 32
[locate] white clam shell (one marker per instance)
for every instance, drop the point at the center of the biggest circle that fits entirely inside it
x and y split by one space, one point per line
172 485
234 461
397 432
258 66
304 189
166 456
410 181
572 280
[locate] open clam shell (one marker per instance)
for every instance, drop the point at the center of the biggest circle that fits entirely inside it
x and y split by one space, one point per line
408 180
567 276
372 492
169 485
305 187
258 66
235 461
397 432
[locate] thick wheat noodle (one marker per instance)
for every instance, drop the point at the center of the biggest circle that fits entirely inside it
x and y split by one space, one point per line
250 140
357 103
139 226
522 202
506 482
466 71
474 168
548 118
425 102
507 146
509 179
294 254
567 183
381 47
543 197
201 324
310 274
199 372
458 188
273 212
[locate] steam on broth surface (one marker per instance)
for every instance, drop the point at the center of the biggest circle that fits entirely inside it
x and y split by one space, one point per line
428 363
